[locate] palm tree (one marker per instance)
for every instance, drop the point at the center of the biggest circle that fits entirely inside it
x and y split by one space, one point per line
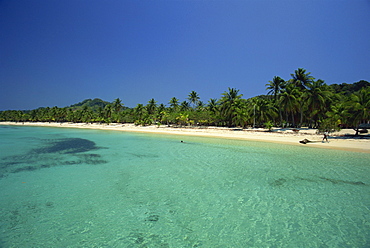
288 100
193 97
100 114
266 110
151 106
338 113
70 115
301 101
139 110
212 105
86 114
161 112
317 94
200 106
161 108
240 116
301 78
108 111
361 106
227 105
185 106
174 103
117 105
252 103
275 86
63 113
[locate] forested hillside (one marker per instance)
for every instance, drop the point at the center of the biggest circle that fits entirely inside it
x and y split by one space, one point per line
93 104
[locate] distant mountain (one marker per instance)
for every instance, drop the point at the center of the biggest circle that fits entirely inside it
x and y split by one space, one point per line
94 104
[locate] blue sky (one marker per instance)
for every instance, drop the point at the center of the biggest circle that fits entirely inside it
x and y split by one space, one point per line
57 53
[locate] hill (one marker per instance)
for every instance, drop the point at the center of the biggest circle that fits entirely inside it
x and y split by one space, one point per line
347 89
93 104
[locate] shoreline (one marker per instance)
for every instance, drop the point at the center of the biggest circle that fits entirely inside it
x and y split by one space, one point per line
338 140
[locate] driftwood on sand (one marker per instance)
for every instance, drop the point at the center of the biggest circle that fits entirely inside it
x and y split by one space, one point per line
305 141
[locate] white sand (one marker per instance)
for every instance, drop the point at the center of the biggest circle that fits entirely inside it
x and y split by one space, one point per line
287 136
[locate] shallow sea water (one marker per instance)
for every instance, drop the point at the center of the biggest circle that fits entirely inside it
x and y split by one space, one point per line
91 188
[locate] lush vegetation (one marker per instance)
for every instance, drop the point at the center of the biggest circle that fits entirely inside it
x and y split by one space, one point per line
300 101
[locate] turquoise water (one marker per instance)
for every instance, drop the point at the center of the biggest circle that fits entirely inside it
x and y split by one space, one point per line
90 188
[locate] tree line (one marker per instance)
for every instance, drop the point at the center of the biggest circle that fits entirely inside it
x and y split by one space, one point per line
299 101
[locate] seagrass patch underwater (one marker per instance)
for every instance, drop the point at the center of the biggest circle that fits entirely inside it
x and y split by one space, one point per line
86 188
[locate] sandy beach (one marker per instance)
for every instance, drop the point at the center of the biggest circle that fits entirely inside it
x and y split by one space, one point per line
342 140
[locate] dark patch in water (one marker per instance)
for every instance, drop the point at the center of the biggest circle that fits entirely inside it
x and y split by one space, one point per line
86 159
7 164
282 181
144 239
27 168
74 162
307 179
54 153
68 146
338 181
8 127
92 158
153 217
278 182
143 155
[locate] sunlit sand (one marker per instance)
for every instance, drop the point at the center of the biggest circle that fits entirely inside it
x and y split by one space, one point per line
343 140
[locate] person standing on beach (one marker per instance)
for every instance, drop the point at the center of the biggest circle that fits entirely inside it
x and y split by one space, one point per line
326 134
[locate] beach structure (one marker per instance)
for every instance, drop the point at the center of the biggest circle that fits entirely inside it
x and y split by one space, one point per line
362 128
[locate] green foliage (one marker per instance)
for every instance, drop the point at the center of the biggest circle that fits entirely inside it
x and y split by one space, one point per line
299 101
348 89
269 125
329 125
94 104
193 98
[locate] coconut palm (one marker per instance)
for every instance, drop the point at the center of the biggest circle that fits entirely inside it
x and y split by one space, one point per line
174 103
200 106
117 105
86 115
360 106
227 106
252 104
301 78
266 110
288 100
161 112
161 108
151 106
212 105
275 86
240 116
108 111
338 113
317 94
193 98
139 111
185 106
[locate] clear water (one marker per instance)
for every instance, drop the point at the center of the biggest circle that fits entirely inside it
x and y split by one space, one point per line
89 188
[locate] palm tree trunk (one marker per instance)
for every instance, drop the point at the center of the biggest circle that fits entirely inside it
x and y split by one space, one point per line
281 116
287 117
